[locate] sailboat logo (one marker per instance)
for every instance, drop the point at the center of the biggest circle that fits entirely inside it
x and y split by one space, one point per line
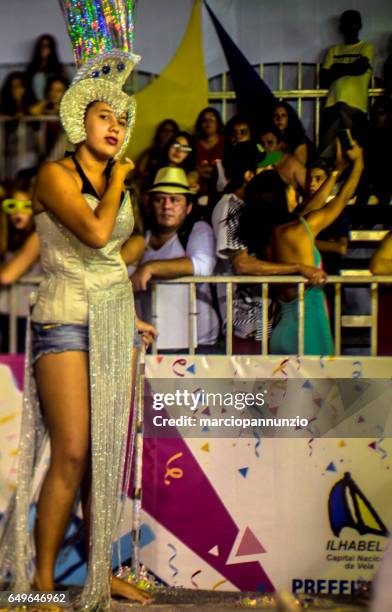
348 507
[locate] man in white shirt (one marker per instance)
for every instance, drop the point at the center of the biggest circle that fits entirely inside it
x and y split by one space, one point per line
176 246
346 72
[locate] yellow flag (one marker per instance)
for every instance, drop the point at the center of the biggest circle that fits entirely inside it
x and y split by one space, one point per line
180 92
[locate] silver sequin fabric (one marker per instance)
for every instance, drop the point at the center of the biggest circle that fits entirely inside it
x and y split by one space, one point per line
87 286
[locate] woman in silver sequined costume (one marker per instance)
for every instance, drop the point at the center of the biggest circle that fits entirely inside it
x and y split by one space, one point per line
79 352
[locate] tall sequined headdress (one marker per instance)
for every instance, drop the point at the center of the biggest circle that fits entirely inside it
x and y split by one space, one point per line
101 33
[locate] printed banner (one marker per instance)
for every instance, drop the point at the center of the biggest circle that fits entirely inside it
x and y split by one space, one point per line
246 511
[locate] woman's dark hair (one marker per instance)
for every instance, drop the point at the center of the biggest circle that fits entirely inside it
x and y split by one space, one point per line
265 208
235 121
189 162
162 124
54 79
272 129
52 63
7 103
199 121
322 164
294 134
239 159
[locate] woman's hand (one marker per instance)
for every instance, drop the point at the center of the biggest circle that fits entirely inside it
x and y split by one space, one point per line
148 331
141 277
356 153
121 168
314 275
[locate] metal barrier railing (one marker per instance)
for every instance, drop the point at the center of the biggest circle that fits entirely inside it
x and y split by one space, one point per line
265 281
339 321
298 82
25 142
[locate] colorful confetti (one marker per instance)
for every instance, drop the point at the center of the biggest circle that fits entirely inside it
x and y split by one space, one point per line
257 443
178 362
8 417
194 583
281 369
357 372
383 452
218 584
174 472
174 555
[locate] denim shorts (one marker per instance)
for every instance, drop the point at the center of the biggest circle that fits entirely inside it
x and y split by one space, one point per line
59 338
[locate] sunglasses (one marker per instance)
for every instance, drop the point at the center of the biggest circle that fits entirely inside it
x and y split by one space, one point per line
11 206
183 148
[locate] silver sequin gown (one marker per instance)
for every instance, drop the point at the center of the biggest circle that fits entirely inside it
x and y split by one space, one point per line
84 286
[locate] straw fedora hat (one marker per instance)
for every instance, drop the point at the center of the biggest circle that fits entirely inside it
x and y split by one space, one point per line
170 180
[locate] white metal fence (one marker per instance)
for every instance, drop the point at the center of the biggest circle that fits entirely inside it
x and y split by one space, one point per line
340 321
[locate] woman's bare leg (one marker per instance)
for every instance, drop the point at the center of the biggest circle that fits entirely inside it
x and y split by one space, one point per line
63 387
118 587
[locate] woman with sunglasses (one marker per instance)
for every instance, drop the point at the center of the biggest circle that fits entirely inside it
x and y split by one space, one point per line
19 254
179 152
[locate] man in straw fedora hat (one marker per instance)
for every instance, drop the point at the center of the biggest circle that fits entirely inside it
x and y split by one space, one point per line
178 244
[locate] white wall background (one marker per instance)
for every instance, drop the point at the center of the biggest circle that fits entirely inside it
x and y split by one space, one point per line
266 30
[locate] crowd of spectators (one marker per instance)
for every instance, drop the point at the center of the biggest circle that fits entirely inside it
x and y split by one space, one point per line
38 90
215 200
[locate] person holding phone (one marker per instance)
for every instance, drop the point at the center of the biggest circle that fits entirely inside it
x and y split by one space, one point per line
269 222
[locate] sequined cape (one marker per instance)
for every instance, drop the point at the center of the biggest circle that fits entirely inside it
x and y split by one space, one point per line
87 286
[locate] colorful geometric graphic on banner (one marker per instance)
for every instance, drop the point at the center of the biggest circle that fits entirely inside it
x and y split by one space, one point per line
222 513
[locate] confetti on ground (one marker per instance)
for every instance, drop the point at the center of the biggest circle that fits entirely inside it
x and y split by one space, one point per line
244 471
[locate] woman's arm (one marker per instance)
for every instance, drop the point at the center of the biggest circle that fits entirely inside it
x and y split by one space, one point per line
24 258
133 250
318 199
245 264
336 245
381 262
57 190
38 108
322 218
301 153
299 172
